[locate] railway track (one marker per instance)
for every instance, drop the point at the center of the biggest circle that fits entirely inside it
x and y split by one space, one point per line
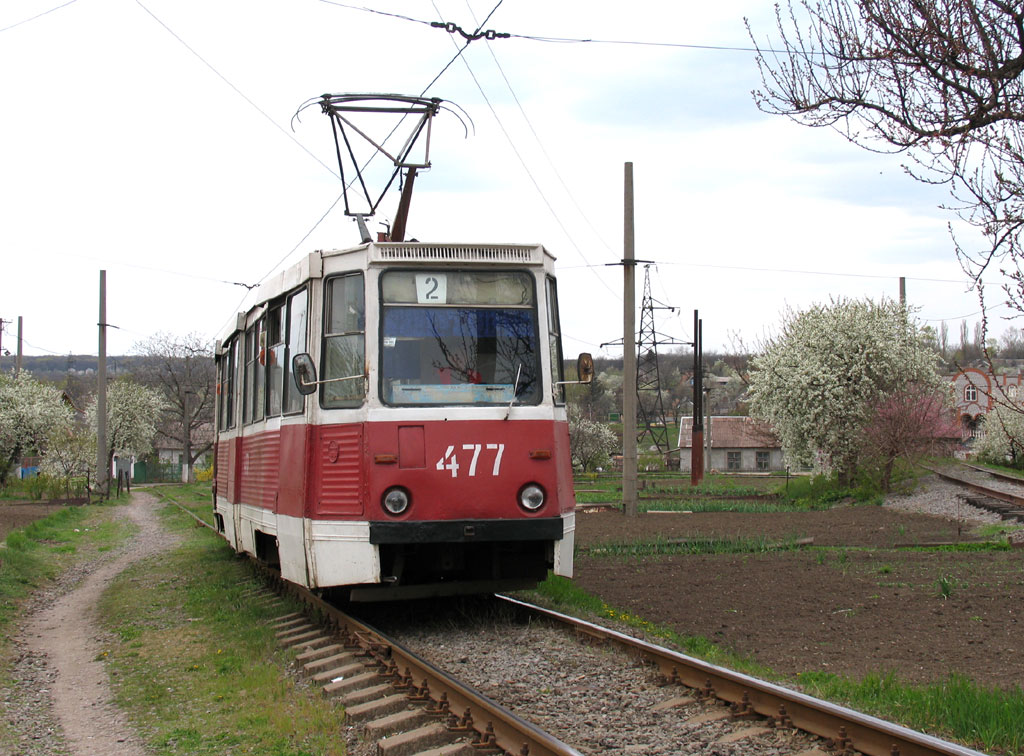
403 703
398 702
1007 500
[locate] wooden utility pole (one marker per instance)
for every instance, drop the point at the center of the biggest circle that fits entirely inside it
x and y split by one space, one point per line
102 469
629 475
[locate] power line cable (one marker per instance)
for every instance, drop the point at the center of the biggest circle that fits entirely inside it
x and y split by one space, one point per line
38 15
237 91
522 161
794 271
451 28
543 149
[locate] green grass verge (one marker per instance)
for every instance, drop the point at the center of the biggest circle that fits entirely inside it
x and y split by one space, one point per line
197 498
956 708
32 555
195 664
991 720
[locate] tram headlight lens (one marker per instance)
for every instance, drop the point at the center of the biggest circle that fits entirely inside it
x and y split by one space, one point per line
531 497
396 500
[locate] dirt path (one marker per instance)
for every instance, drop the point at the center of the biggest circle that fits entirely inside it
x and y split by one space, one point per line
60 643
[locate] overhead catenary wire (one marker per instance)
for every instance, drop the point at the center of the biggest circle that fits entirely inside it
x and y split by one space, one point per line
37 16
519 156
237 91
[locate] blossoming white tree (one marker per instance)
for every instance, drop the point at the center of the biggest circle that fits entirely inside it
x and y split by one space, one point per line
133 411
591 443
1003 441
29 412
820 381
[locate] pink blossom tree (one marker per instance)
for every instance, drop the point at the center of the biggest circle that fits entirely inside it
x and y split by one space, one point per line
911 422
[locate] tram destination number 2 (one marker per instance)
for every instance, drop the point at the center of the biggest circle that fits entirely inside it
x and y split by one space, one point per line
449 460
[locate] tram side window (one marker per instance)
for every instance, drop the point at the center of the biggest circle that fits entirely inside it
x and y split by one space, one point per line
226 385
298 316
273 359
344 343
255 394
555 341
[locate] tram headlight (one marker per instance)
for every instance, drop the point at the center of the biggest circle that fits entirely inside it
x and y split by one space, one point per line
396 500
531 497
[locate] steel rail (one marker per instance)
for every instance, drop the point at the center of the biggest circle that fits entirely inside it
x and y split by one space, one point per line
846 728
978 488
996 474
462 708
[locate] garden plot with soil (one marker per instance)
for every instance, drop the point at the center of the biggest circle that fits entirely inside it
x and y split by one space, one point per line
853 603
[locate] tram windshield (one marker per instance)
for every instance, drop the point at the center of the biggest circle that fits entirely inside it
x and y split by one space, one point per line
459 337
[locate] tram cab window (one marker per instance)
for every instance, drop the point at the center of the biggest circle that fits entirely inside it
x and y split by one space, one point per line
298 317
459 337
555 341
344 343
273 359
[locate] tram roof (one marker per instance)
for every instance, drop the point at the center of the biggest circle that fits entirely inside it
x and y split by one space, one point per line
398 253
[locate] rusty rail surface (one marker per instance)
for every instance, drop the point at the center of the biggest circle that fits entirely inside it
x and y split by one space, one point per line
846 729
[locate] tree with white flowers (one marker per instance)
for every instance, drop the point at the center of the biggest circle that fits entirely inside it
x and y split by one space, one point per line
1003 440
591 443
820 382
133 411
29 412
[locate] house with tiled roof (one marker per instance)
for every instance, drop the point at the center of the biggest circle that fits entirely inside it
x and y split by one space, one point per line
738 444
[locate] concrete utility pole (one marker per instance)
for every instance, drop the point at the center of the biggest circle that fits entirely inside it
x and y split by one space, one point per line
17 364
697 435
629 474
102 471
903 291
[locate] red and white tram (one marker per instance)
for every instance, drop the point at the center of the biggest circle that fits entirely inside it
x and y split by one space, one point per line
391 420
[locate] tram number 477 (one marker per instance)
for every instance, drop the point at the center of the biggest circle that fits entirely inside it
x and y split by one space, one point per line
449 460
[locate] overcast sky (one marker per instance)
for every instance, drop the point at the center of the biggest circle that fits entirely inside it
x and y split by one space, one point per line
155 139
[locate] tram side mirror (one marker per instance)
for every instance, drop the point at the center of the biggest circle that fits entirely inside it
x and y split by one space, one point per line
304 373
585 368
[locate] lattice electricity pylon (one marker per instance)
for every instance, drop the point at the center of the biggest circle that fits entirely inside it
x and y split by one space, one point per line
648 377
353 162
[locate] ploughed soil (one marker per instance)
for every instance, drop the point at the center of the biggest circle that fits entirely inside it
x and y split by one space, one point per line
18 515
866 605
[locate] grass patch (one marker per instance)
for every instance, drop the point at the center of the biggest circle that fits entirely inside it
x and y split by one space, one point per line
197 498
991 720
725 505
662 546
195 663
38 552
